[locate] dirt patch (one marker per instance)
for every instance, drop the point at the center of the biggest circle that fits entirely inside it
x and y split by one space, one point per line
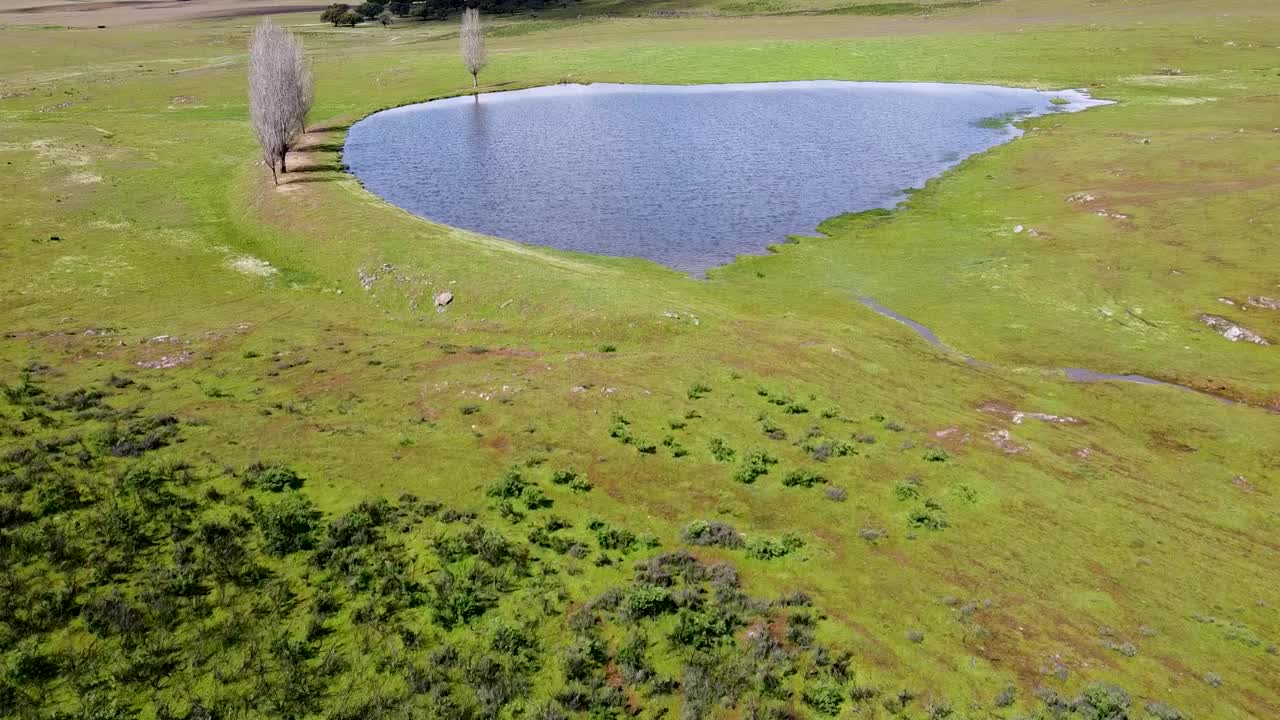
114 13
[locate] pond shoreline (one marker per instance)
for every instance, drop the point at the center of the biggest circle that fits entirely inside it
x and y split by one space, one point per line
784 158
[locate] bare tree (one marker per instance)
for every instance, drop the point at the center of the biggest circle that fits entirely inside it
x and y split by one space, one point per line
474 55
279 92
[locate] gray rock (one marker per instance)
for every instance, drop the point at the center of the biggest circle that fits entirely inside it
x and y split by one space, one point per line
1231 330
442 300
1264 302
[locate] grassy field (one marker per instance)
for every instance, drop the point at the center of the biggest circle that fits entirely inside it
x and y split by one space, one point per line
1127 535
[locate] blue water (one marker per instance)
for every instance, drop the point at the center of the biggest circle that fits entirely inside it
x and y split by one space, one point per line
689 177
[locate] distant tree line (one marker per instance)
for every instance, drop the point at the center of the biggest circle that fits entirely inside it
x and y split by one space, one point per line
343 14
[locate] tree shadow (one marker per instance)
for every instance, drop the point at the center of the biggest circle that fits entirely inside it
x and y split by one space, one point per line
333 126
318 147
315 168
290 179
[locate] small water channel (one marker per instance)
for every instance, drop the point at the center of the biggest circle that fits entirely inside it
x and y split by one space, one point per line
1081 375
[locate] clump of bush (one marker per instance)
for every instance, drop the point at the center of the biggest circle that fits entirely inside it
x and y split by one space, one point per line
288 525
754 466
272 477
928 516
936 454
612 538
772 430
825 697
509 486
765 548
907 488
703 532
803 478
572 480
720 450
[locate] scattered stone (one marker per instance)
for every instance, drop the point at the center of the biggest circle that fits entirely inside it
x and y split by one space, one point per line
1264 302
250 265
1226 301
442 300
165 362
1231 330
693 319
1081 197
1084 453
1114 215
1003 440
367 280
1017 229
1017 416
1243 483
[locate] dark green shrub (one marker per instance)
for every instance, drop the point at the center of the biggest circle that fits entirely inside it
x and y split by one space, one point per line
272 477
648 601
511 486
928 516
533 498
611 538
907 489
701 629
802 478
825 697
768 548
1101 701
720 450
753 466
702 532
288 525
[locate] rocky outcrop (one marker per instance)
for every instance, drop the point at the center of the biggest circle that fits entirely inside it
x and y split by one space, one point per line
1231 330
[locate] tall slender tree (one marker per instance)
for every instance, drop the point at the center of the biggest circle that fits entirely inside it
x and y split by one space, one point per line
474 54
280 92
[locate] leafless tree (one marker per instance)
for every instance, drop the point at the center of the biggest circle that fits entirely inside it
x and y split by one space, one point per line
474 55
279 92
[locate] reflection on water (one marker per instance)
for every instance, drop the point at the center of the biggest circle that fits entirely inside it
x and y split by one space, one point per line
686 176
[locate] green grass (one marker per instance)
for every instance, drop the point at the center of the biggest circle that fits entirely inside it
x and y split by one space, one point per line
131 147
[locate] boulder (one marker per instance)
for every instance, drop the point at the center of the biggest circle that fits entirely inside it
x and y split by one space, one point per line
442 300
1232 331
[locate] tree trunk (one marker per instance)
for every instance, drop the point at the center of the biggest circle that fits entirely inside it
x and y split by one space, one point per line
283 153
475 80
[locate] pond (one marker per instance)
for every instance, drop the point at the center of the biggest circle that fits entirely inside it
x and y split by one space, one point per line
686 176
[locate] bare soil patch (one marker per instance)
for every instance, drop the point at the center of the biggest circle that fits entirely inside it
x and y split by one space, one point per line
113 13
